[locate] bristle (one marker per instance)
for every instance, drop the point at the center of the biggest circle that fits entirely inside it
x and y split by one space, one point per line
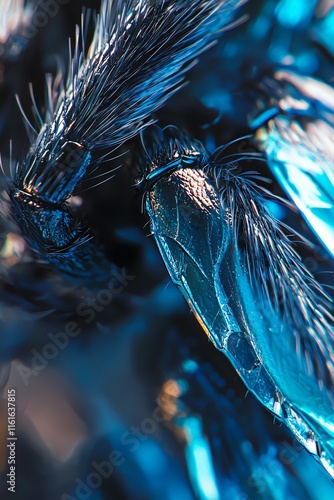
137 59
239 272
141 61
277 274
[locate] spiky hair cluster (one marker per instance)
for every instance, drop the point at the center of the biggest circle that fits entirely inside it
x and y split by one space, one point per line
137 59
277 275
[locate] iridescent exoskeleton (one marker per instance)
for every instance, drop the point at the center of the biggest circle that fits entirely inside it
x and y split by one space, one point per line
228 255
238 270
132 67
298 142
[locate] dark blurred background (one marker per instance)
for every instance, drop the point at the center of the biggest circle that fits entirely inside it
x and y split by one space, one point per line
121 396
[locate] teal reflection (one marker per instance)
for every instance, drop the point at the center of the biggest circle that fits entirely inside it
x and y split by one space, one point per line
308 178
199 460
295 13
325 31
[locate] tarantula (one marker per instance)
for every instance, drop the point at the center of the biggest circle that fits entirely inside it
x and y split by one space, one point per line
122 127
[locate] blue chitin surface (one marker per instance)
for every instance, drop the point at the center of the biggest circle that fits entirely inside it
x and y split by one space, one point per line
177 179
